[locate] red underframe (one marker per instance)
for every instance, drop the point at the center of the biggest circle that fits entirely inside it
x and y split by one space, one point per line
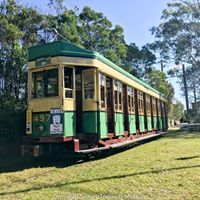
59 139
124 138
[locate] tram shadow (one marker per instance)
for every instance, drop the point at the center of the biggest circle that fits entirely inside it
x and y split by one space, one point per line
19 163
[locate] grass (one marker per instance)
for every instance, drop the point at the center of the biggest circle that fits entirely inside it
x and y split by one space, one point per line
167 168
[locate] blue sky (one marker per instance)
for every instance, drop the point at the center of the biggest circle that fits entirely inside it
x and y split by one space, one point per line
135 16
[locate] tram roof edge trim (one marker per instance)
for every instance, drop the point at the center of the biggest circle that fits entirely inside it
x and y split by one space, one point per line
63 48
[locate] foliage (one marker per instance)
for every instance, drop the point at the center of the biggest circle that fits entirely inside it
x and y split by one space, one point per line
12 117
19 27
178 37
97 33
157 80
18 31
178 110
141 60
178 33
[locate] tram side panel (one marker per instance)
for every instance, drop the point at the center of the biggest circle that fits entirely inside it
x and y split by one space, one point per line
69 102
160 115
118 108
148 113
102 106
141 115
89 104
131 110
155 114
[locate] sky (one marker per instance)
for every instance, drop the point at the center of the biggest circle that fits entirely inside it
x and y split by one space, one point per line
136 17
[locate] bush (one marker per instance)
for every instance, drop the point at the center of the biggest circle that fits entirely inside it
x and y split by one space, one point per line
12 117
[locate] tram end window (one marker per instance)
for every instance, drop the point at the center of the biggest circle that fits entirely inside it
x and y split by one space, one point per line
45 83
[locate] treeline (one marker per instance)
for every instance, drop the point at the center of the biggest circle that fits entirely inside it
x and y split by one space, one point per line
22 26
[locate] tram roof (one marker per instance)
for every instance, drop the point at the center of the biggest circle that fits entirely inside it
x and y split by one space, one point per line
63 48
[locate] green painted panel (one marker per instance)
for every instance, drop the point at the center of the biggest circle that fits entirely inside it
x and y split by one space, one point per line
155 122
160 123
103 125
163 123
119 124
41 124
141 123
132 123
89 122
149 125
69 124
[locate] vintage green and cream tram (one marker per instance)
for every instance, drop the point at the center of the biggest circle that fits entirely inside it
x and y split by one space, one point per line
78 98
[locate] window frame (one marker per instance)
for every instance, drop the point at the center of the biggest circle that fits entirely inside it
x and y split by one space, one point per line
140 102
148 104
159 107
118 95
73 84
154 107
93 71
31 82
100 91
131 99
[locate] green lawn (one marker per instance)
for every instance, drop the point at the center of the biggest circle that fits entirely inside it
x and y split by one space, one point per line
167 168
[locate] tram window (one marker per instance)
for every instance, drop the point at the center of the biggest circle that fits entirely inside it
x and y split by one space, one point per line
102 89
120 95
131 99
133 104
140 102
116 99
68 80
159 108
129 102
120 100
45 83
116 94
162 109
154 106
148 105
88 85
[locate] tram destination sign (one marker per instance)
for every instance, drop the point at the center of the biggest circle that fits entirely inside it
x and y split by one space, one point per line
43 61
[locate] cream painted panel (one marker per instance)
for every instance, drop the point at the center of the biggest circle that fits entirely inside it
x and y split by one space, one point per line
73 61
117 75
45 104
69 105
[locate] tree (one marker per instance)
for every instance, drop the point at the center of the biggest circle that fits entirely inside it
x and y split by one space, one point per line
178 110
178 38
178 34
18 31
19 27
140 60
97 33
157 80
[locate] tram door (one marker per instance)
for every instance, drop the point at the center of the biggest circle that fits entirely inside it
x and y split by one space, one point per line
78 101
125 104
110 105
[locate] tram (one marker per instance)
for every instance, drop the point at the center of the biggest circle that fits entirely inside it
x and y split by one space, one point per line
80 101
